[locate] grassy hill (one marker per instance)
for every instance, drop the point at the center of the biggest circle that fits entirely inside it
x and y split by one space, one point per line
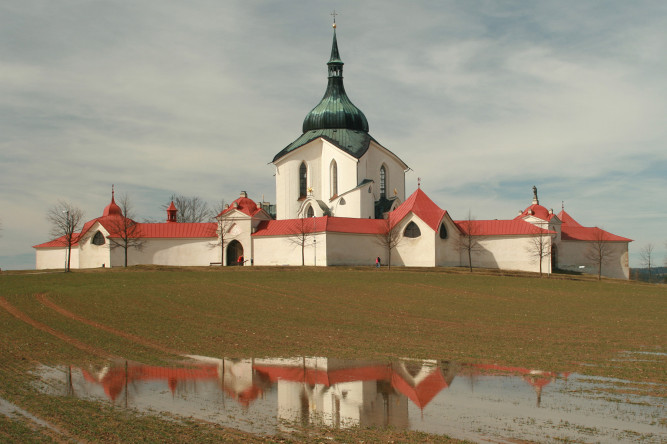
153 315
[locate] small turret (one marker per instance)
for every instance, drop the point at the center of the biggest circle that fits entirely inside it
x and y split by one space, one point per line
171 212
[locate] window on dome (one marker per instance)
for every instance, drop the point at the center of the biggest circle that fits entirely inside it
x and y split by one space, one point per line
443 231
334 178
383 181
412 230
303 180
98 239
311 212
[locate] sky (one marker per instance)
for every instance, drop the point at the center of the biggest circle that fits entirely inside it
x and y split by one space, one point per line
482 99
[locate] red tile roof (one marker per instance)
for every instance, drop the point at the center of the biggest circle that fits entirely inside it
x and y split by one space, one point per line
567 219
244 205
320 224
178 230
58 243
590 234
499 227
573 230
422 206
536 210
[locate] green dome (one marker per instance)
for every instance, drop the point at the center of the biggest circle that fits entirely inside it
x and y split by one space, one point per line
335 110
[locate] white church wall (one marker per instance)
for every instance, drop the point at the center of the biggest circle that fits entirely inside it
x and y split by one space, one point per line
54 258
91 255
282 250
572 256
370 164
287 178
353 249
415 252
507 253
347 171
446 253
175 252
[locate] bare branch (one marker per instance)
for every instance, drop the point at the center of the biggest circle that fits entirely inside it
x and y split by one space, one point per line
302 235
540 245
389 238
468 241
125 233
647 258
190 209
599 250
66 220
224 236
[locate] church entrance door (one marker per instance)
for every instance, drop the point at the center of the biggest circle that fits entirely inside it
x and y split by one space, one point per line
234 252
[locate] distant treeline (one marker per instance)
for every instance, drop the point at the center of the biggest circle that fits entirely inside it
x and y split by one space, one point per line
658 274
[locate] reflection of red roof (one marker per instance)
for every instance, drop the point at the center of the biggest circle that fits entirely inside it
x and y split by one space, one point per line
499 227
425 391
320 224
422 206
115 380
314 376
421 394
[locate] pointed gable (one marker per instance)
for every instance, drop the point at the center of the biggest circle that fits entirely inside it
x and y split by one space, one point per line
567 219
422 206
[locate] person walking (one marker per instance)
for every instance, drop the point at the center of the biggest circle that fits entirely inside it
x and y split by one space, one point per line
377 262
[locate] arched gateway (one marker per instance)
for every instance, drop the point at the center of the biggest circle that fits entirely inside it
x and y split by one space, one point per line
234 252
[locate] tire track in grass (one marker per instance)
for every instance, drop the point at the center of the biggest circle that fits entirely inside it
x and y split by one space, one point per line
18 314
44 300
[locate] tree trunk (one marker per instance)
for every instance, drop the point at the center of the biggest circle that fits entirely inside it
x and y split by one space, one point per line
470 259
125 254
69 256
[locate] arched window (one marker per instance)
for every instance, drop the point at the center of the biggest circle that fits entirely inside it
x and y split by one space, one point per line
303 180
383 181
334 178
443 231
412 230
98 239
310 212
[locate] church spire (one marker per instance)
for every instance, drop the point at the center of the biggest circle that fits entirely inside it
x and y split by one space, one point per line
335 110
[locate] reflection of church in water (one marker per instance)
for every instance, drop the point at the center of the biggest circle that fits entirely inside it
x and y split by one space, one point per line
307 390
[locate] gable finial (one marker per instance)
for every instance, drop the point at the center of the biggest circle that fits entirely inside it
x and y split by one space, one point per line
562 205
535 199
419 182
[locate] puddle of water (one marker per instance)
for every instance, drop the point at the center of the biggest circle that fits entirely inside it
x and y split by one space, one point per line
474 402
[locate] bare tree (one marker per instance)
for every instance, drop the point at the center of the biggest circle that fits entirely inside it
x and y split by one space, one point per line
305 229
540 245
468 240
389 238
125 233
599 251
190 208
224 236
65 221
646 256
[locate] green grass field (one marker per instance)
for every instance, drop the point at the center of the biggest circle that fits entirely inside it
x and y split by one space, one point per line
154 315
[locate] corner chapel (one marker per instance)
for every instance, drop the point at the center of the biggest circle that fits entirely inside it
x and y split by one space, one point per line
337 186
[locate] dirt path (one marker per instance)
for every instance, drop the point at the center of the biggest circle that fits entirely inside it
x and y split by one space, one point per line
18 314
44 299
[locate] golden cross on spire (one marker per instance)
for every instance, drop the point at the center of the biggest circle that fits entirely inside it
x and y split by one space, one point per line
334 14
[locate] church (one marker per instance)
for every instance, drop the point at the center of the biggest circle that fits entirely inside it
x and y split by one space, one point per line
341 200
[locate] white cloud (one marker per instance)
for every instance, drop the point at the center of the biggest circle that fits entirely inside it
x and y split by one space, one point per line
481 99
